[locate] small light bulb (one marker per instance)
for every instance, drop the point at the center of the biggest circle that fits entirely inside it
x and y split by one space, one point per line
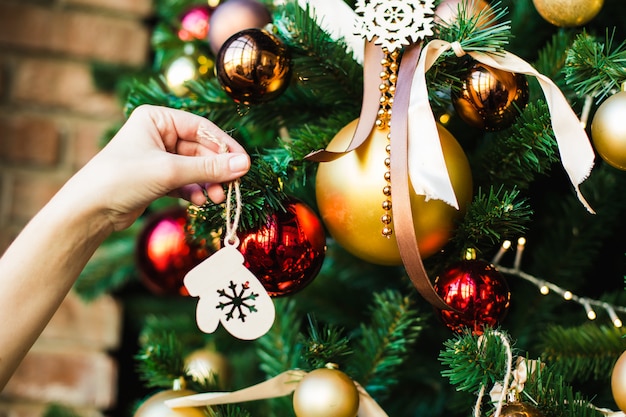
568 295
544 289
591 315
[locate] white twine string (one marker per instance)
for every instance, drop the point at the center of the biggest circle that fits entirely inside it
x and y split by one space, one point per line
507 376
232 220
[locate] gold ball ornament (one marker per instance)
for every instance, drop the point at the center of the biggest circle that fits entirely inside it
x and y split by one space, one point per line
326 392
517 409
253 66
155 406
568 13
208 367
608 130
489 98
618 382
184 68
349 197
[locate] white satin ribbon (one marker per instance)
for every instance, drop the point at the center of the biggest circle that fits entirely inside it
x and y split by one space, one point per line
427 167
281 385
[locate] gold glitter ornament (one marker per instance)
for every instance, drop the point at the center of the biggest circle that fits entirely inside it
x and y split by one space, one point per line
568 13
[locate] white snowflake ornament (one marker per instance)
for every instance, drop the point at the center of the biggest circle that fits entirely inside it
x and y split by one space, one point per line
394 23
229 293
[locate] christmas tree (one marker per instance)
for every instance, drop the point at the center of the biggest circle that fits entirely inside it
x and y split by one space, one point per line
432 224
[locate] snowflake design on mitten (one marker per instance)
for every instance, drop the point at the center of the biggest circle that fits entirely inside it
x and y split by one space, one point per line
394 23
237 301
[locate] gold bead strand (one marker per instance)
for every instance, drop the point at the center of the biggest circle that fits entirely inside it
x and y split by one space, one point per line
388 77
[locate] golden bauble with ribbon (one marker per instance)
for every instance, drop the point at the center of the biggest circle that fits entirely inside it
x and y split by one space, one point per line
155 406
349 197
489 98
608 130
209 367
326 392
568 13
517 409
618 382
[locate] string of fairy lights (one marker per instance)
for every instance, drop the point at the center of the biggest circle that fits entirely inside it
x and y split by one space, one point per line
546 287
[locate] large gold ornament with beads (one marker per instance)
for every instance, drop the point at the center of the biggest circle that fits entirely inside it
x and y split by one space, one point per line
326 392
568 13
348 192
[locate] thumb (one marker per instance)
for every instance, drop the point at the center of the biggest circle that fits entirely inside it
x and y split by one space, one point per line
215 168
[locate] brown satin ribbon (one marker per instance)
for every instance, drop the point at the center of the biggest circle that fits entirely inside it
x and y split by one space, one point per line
369 109
401 187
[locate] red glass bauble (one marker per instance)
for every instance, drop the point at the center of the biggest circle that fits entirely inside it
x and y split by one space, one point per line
194 24
165 254
288 251
478 293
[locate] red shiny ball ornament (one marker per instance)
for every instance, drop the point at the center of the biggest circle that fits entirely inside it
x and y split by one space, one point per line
478 293
165 254
288 251
194 24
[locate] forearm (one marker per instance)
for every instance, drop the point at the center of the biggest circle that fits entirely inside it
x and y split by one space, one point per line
40 267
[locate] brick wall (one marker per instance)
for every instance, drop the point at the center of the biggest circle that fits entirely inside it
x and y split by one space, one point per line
52 118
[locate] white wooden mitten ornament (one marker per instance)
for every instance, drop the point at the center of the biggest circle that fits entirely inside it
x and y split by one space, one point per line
229 293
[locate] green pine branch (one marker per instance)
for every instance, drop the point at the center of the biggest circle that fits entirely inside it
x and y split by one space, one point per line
491 218
326 343
584 352
383 345
471 364
484 31
160 360
262 194
554 397
516 156
596 68
280 349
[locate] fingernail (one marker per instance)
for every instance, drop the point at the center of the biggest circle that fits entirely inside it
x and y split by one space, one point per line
238 163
